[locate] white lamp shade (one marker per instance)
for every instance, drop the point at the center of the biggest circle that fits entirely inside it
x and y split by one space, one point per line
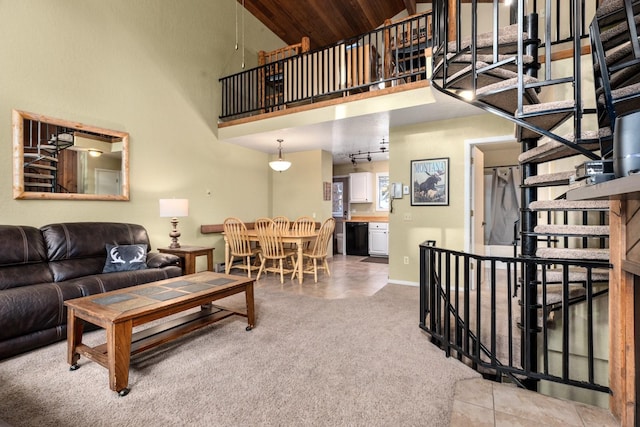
279 165
174 207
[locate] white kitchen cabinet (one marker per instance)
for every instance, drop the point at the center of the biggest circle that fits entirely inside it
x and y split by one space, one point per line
361 187
378 239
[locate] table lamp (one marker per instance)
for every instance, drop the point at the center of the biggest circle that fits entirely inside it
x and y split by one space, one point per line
174 208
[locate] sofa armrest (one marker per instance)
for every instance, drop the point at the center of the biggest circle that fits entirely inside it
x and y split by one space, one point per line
158 260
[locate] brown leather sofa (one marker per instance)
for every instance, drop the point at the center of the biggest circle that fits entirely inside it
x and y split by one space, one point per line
42 268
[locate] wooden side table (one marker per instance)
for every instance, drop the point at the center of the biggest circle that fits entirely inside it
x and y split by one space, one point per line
188 256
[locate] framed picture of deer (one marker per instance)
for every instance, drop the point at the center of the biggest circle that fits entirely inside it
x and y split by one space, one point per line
430 182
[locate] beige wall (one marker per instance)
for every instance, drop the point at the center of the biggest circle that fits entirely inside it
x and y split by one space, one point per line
299 191
150 68
444 224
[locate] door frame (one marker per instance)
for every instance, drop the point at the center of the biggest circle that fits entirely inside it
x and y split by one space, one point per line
469 182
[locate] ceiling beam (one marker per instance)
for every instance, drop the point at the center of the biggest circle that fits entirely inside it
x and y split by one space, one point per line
411 6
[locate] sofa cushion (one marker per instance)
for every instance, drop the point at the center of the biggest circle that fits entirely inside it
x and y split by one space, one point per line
158 260
68 243
14 276
98 283
125 258
21 245
34 308
23 257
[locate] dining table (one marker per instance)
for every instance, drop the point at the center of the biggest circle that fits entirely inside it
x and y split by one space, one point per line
299 238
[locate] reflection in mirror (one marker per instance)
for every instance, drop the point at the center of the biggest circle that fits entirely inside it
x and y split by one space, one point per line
60 159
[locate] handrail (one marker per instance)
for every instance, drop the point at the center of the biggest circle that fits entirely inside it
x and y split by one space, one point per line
467 305
388 56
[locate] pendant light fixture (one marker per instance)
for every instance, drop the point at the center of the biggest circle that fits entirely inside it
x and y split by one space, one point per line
280 164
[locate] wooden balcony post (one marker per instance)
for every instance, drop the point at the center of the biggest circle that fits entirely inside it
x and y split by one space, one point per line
386 67
305 45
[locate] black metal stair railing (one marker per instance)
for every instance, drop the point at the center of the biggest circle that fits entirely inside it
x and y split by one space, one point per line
469 307
42 148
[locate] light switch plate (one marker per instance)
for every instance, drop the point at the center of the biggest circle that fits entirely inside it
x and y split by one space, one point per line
405 189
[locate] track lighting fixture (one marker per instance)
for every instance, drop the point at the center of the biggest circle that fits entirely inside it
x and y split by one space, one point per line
366 155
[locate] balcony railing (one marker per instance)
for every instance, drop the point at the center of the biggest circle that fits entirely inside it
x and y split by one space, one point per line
392 55
389 56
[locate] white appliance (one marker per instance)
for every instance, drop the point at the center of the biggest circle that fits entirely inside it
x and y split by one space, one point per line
378 239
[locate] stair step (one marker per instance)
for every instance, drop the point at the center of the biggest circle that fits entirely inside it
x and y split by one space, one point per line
507 41
554 293
587 254
549 180
46 147
569 205
625 99
463 78
38 184
40 157
545 116
457 62
488 58
615 35
37 175
612 11
625 77
572 230
555 275
554 150
620 53
39 166
503 95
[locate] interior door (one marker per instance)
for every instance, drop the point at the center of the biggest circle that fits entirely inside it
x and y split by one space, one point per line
107 181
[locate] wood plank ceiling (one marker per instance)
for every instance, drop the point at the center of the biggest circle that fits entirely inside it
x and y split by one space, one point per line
325 22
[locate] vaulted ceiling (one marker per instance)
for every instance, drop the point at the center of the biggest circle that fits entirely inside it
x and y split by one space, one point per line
325 22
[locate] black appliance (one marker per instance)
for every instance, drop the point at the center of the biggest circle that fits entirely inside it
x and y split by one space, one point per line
357 238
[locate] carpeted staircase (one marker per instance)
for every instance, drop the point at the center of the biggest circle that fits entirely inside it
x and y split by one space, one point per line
561 120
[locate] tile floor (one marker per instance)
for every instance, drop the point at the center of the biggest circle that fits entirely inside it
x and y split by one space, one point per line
477 402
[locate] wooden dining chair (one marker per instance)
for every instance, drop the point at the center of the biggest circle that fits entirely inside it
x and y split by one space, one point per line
282 223
318 252
306 225
235 232
270 239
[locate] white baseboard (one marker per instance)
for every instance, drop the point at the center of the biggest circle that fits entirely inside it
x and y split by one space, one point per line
403 282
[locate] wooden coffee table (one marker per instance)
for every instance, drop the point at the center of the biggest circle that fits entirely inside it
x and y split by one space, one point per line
119 311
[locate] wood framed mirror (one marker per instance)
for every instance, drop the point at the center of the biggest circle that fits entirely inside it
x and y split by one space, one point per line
64 160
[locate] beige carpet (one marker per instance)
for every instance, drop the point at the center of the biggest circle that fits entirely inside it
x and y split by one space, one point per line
309 361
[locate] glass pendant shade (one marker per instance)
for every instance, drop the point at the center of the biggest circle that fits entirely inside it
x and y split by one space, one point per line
280 164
